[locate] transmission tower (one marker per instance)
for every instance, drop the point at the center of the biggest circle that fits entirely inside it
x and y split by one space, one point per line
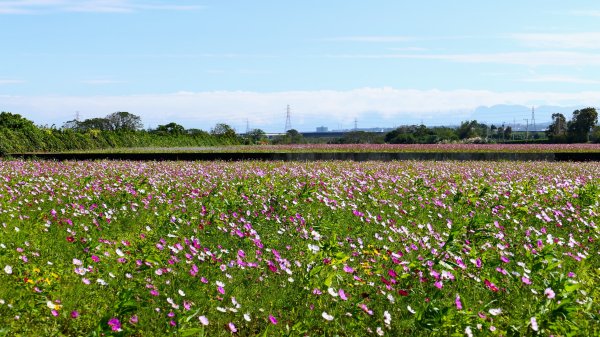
77 115
355 124
288 119
533 118
247 126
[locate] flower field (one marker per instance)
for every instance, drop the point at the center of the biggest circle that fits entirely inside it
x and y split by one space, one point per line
299 249
329 148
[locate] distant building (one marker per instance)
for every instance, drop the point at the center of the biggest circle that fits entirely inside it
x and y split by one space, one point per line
322 129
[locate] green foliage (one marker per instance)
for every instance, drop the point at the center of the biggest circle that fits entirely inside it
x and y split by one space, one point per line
19 135
581 124
291 137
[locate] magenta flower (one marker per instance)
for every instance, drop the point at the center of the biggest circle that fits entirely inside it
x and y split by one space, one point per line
458 303
133 319
114 324
272 319
74 314
342 294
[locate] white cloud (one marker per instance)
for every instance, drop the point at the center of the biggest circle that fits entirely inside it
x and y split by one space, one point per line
593 13
586 40
6 82
538 58
560 79
372 38
267 110
101 82
99 6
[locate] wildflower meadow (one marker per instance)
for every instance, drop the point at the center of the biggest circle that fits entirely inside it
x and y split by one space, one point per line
299 249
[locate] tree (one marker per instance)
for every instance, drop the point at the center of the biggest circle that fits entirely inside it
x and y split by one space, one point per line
225 133
171 128
581 124
14 121
507 132
223 130
124 121
256 136
467 129
557 131
102 124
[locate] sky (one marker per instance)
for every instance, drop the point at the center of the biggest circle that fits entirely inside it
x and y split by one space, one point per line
376 63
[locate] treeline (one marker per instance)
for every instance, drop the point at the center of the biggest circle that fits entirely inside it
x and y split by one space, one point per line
580 128
123 129
117 130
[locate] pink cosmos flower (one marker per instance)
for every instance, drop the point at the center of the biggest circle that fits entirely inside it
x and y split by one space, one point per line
272 319
342 294
114 324
231 327
549 293
458 303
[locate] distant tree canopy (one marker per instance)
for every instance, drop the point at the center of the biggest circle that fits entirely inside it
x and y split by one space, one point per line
171 129
117 121
256 136
582 123
420 134
14 121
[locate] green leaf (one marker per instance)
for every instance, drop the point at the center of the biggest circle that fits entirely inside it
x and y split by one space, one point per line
192 332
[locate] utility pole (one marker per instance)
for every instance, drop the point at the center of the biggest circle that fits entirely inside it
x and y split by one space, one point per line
355 124
533 119
247 126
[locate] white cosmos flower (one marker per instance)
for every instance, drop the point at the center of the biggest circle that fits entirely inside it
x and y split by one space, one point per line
495 311
8 269
410 309
387 318
327 316
119 252
534 325
247 317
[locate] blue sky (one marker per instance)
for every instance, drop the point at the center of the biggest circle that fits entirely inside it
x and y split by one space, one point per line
381 62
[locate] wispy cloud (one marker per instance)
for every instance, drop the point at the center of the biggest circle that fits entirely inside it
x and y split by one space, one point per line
585 40
594 13
6 82
266 109
97 6
101 82
372 38
560 79
537 58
